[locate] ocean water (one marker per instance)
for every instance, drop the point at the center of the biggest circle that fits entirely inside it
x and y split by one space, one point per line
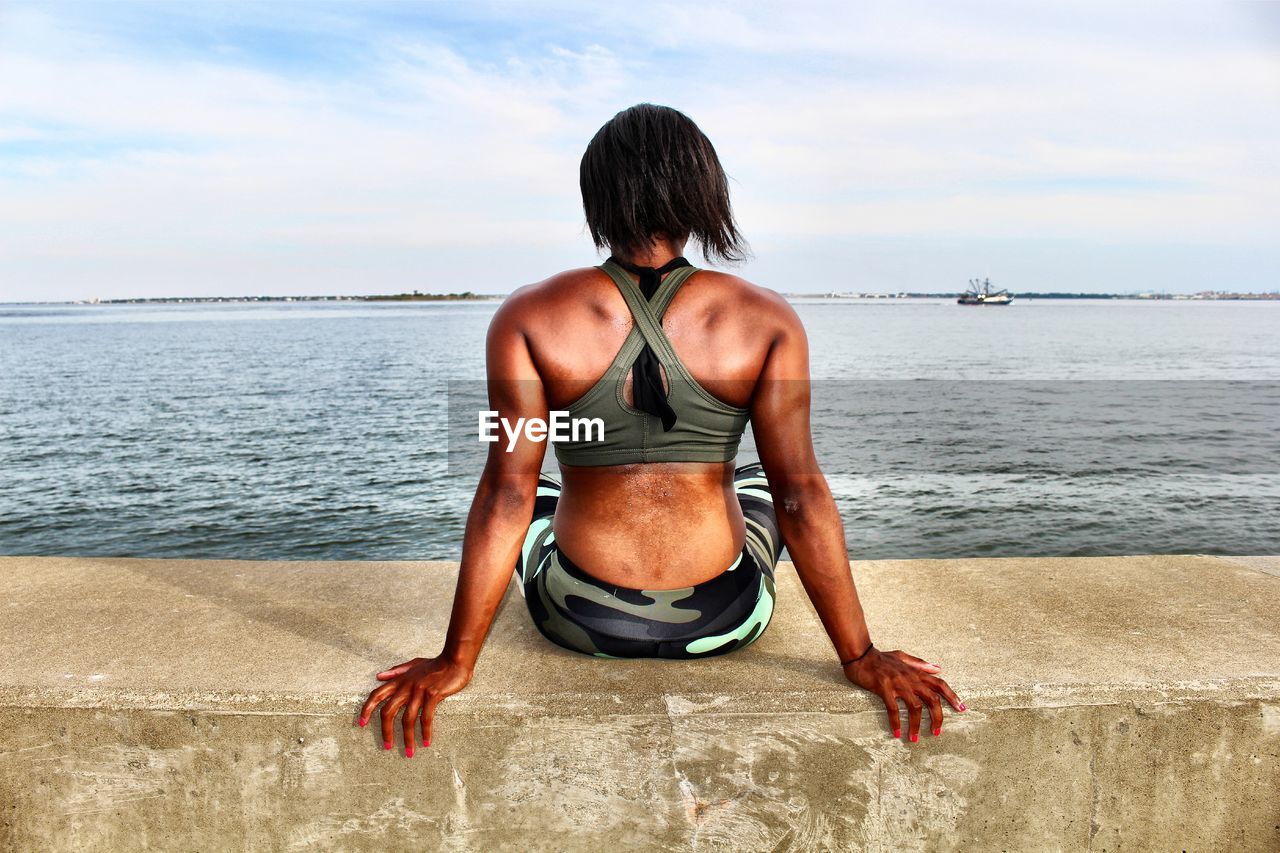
320 430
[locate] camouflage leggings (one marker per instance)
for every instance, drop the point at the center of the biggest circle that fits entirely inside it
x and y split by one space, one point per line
575 610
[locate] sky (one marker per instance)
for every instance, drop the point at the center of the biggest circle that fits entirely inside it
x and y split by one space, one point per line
320 148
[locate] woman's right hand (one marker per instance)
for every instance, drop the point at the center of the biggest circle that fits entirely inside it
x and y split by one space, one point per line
895 675
417 686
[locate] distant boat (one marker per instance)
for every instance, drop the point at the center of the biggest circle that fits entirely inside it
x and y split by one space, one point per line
980 293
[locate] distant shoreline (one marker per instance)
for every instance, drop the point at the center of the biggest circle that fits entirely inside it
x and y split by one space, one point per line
468 296
1203 296
415 296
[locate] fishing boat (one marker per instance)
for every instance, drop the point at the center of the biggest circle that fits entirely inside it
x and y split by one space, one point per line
980 293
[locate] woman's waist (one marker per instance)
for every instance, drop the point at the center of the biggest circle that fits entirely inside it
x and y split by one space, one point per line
649 528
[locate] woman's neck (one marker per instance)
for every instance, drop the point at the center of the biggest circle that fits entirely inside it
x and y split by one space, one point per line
658 252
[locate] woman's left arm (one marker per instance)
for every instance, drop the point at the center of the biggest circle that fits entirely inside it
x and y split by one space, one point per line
810 524
496 526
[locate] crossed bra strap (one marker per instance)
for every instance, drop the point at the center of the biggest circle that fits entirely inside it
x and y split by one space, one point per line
646 375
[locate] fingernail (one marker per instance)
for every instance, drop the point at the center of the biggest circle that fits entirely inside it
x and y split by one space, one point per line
386 744
962 707
408 752
362 722
937 732
897 732
426 742
915 736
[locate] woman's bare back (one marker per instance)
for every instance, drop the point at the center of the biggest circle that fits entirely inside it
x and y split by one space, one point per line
656 525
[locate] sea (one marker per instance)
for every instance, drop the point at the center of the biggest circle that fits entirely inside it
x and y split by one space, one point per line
346 430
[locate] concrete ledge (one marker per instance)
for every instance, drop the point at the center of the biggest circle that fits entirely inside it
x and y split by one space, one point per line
1115 703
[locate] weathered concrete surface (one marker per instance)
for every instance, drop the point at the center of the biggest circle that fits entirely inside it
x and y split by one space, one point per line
1270 565
1128 703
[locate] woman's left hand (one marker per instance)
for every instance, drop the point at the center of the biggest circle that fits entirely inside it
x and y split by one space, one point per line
895 675
417 686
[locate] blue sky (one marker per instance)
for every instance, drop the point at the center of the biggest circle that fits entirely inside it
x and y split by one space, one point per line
166 148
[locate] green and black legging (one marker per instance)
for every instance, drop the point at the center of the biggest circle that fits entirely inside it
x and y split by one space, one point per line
583 614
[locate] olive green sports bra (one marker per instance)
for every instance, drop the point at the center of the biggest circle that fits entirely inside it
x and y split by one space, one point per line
706 429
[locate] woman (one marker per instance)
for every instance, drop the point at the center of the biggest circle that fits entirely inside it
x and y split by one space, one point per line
673 547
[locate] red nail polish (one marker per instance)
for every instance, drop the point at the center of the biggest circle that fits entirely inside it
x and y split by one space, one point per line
426 742
386 744
962 707
915 737
408 752
937 732
362 722
897 732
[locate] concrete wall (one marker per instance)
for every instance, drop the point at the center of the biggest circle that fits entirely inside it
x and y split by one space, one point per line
1128 703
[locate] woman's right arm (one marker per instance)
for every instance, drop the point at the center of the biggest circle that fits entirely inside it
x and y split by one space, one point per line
496 526
810 524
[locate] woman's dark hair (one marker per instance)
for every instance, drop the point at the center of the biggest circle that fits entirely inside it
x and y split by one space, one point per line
650 171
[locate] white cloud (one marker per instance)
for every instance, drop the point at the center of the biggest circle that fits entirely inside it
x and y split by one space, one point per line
125 168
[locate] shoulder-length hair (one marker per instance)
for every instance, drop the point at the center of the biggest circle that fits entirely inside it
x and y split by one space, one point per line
651 171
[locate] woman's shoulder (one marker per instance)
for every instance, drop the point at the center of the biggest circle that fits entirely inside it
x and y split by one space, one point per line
538 295
586 289
736 287
573 279
560 285
753 310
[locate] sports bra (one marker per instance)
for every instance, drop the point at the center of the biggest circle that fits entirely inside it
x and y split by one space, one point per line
706 429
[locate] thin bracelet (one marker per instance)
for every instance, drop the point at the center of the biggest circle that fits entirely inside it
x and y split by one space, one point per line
870 646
